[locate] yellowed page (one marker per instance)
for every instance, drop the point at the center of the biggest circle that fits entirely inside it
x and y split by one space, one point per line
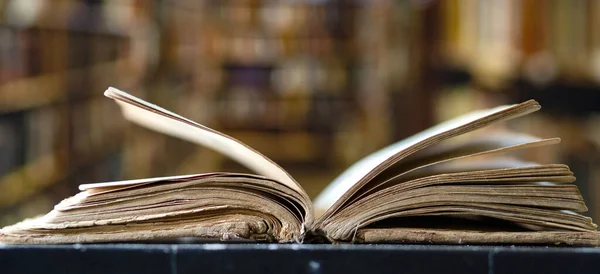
350 181
164 121
360 169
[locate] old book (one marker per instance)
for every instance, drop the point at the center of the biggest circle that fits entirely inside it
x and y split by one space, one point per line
450 184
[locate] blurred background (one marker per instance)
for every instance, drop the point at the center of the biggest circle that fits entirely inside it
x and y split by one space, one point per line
313 84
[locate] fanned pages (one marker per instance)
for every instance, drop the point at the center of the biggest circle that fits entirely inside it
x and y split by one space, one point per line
450 184
366 169
164 121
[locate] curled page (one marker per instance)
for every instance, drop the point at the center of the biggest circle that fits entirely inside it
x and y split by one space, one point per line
164 121
362 171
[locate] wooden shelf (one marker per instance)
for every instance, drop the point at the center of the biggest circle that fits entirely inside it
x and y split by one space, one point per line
57 18
31 178
46 170
297 146
32 92
72 29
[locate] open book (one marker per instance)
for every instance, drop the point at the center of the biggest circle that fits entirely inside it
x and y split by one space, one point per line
443 185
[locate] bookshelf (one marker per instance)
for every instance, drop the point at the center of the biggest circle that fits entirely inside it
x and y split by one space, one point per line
282 77
494 52
314 85
56 127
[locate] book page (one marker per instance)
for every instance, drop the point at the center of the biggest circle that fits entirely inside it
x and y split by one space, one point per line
164 121
367 168
454 154
219 205
105 187
141 181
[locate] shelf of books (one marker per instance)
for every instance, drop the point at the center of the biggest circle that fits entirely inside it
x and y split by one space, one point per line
314 85
509 51
56 130
304 82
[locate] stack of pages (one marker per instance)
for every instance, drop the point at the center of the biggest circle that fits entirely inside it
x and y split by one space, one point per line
445 185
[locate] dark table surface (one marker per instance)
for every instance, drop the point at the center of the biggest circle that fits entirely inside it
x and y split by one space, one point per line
294 258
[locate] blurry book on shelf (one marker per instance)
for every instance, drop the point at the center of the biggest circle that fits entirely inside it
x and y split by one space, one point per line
51 58
46 131
12 144
449 184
